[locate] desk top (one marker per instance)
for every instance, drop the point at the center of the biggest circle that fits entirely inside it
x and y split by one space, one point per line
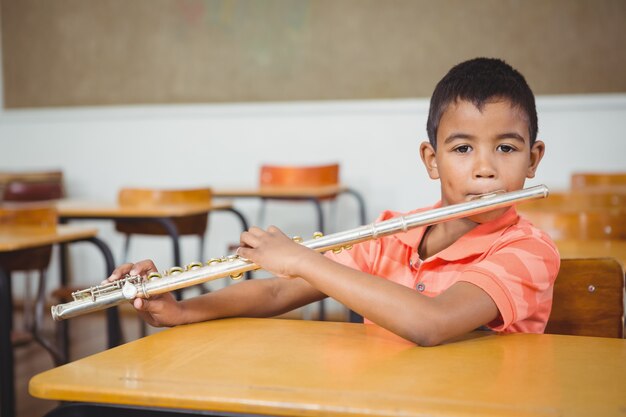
282 192
573 248
304 368
86 209
13 238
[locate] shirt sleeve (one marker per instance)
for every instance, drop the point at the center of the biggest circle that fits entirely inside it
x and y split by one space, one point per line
361 256
519 276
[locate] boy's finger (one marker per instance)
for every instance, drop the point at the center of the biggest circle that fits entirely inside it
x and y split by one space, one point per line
143 268
119 272
248 239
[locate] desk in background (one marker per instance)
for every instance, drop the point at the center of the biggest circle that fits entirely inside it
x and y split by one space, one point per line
163 215
12 240
313 194
304 368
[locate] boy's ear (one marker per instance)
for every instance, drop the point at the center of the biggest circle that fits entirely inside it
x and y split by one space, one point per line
427 152
536 153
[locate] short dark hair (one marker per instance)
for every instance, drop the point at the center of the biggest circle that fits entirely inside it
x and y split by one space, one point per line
480 81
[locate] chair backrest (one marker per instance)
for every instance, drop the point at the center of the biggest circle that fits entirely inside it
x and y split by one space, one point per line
39 216
590 179
583 199
299 176
32 186
588 299
150 197
579 224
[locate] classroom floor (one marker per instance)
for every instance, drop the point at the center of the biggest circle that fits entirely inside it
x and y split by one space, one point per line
87 337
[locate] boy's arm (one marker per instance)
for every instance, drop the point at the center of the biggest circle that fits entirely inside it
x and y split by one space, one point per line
424 320
255 298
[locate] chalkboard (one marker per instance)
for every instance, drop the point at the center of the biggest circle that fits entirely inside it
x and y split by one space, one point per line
119 52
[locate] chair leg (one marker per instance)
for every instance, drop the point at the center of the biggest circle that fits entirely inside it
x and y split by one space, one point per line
126 249
262 213
204 287
27 317
54 351
332 215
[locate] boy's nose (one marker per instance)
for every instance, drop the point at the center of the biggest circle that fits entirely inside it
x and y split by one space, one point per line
484 167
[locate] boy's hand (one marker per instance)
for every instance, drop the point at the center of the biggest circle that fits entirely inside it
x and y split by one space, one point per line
160 310
273 251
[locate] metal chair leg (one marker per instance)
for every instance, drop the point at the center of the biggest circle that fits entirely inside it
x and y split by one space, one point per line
54 351
126 249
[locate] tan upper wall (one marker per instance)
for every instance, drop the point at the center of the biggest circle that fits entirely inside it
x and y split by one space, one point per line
107 52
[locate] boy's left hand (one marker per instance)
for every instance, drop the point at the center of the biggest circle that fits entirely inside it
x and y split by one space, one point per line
273 251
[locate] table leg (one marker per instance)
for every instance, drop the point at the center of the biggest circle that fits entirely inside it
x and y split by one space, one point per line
169 225
7 374
244 227
114 328
360 202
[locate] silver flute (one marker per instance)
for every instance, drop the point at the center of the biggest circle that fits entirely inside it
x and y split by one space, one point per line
132 286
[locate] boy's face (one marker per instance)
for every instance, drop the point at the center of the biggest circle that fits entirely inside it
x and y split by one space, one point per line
481 152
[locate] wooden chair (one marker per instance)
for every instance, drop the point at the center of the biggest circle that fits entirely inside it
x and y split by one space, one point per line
582 199
277 176
32 186
594 179
38 259
574 224
195 225
588 299
299 176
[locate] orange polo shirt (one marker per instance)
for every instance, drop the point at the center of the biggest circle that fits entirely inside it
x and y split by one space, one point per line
510 259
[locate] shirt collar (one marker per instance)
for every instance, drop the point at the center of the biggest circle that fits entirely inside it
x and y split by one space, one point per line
476 241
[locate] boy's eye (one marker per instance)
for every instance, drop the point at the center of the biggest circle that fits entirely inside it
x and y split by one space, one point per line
462 149
506 148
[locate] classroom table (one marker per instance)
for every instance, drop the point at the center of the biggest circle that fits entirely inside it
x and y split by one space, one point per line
578 248
161 214
313 194
14 239
305 368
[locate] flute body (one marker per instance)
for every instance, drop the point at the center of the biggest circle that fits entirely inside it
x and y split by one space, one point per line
130 287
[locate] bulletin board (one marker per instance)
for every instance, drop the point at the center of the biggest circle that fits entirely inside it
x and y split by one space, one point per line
121 52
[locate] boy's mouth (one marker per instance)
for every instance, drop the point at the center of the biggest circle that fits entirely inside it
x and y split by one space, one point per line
488 194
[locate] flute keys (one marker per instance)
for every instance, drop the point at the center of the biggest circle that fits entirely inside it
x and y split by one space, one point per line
129 291
317 235
193 265
235 277
213 261
297 239
154 275
175 270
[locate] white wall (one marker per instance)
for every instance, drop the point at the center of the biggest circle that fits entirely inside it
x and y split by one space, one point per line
376 143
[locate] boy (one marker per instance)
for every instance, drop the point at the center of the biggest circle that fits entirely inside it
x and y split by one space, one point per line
428 284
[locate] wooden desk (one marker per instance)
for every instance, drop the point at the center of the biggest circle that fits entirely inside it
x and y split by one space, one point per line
162 214
313 194
593 249
12 240
304 368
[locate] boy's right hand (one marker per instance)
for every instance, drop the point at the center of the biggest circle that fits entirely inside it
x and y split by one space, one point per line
160 310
